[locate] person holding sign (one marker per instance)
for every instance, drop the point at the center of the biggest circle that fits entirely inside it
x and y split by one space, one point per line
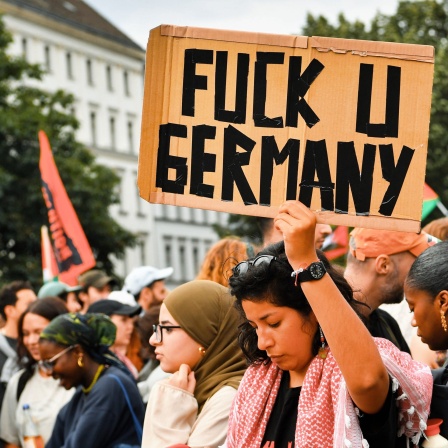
316 377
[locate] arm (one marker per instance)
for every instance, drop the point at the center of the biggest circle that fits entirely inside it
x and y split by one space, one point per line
210 428
8 424
170 415
351 344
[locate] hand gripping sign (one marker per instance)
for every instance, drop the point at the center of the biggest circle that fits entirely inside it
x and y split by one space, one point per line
241 122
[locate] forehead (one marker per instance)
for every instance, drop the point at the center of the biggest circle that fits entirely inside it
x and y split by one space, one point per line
158 284
259 310
34 320
414 296
26 295
48 348
165 316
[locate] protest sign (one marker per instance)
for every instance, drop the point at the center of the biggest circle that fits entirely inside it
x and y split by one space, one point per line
240 122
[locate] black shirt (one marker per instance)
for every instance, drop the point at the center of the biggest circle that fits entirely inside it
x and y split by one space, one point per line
382 325
379 429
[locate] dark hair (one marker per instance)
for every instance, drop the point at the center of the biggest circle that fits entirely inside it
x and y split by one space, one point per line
48 308
429 271
143 325
273 283
8 294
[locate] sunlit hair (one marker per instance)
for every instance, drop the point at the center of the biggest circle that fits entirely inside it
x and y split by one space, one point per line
221 258
429 271
273 283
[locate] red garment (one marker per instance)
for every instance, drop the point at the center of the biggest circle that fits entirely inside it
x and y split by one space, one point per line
326 414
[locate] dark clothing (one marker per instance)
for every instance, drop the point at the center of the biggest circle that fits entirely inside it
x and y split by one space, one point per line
382 325
439 402
100 418
281 427
380 429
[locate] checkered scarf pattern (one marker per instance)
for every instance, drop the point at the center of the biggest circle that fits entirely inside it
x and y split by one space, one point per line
327 416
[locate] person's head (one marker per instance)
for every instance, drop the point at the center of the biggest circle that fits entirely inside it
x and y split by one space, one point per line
222 257
426 289
269 232
385 257
144 325
72 346
198 326
147 285
438 228
31 324
14 299
121 313
279 323
65 292
96 285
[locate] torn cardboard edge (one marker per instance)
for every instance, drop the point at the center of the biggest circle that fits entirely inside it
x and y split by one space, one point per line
412 52
372 222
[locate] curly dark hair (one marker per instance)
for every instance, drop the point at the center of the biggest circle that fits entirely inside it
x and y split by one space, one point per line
273 283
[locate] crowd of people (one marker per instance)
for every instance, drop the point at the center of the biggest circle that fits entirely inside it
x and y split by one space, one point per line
270 346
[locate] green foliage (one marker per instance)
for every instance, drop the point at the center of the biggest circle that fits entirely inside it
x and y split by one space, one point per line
91 187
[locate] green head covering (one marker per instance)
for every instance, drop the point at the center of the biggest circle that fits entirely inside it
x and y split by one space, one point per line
94 332
205 311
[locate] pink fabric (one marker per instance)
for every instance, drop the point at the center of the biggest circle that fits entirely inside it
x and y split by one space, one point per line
327 416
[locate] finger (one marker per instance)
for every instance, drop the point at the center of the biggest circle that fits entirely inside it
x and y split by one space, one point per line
191 382
184 370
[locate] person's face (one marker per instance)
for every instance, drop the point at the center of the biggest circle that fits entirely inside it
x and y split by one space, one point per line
125 325
32 327
159 292
153 295
320 233
177 347
65 367
427 318
24 298
393 288
72 303
284 334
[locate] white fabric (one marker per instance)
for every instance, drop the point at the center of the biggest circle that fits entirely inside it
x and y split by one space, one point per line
144 276
154 377
400 312
11 365
45 397
171 417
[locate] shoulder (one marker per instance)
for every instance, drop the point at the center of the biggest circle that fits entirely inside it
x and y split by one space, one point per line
112 383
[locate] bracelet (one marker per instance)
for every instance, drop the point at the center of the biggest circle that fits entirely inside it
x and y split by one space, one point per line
296 274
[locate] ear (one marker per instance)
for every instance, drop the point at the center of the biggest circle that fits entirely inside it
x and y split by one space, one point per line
78 351
383 264
9 311
442 299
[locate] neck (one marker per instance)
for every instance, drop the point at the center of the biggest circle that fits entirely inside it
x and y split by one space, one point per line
119 349
10 329
94 375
